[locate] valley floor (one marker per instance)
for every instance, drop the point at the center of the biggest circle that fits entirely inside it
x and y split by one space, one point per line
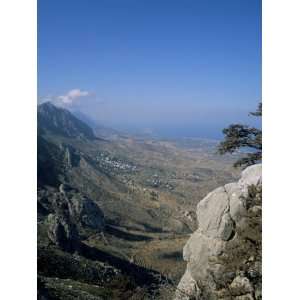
161 252
114 213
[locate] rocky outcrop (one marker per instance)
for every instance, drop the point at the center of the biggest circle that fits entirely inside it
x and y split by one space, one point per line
83 210
67 215
62 232
224 254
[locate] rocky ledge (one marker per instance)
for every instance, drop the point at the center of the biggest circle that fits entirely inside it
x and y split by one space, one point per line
224 254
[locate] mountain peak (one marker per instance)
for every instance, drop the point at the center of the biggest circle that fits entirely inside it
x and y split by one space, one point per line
60 121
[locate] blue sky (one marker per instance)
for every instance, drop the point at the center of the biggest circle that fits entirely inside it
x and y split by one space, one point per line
188 67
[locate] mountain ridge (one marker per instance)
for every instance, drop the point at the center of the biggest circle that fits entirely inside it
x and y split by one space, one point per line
60 121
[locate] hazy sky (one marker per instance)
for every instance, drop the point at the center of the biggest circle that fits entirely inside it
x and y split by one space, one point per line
186 67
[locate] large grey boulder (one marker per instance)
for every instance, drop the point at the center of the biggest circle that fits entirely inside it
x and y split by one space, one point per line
221 216
213 215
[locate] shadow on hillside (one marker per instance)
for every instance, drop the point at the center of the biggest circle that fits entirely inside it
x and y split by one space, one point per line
175 255
141 275
126 235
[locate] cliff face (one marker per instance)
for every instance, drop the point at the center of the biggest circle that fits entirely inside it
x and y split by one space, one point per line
224 254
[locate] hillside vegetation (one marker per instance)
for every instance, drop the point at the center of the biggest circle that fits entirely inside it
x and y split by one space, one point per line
114 213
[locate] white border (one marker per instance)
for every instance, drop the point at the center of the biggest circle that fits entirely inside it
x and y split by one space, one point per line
18 149
281 115
281 96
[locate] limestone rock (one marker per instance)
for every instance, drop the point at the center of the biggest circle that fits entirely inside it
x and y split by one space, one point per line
87 212
244 297
68 214
250 176
236 203
223 216
197 252
188 287
241 285
62 232
213 215
83 211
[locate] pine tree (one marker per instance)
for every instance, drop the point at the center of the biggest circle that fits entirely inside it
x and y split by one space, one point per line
238 136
